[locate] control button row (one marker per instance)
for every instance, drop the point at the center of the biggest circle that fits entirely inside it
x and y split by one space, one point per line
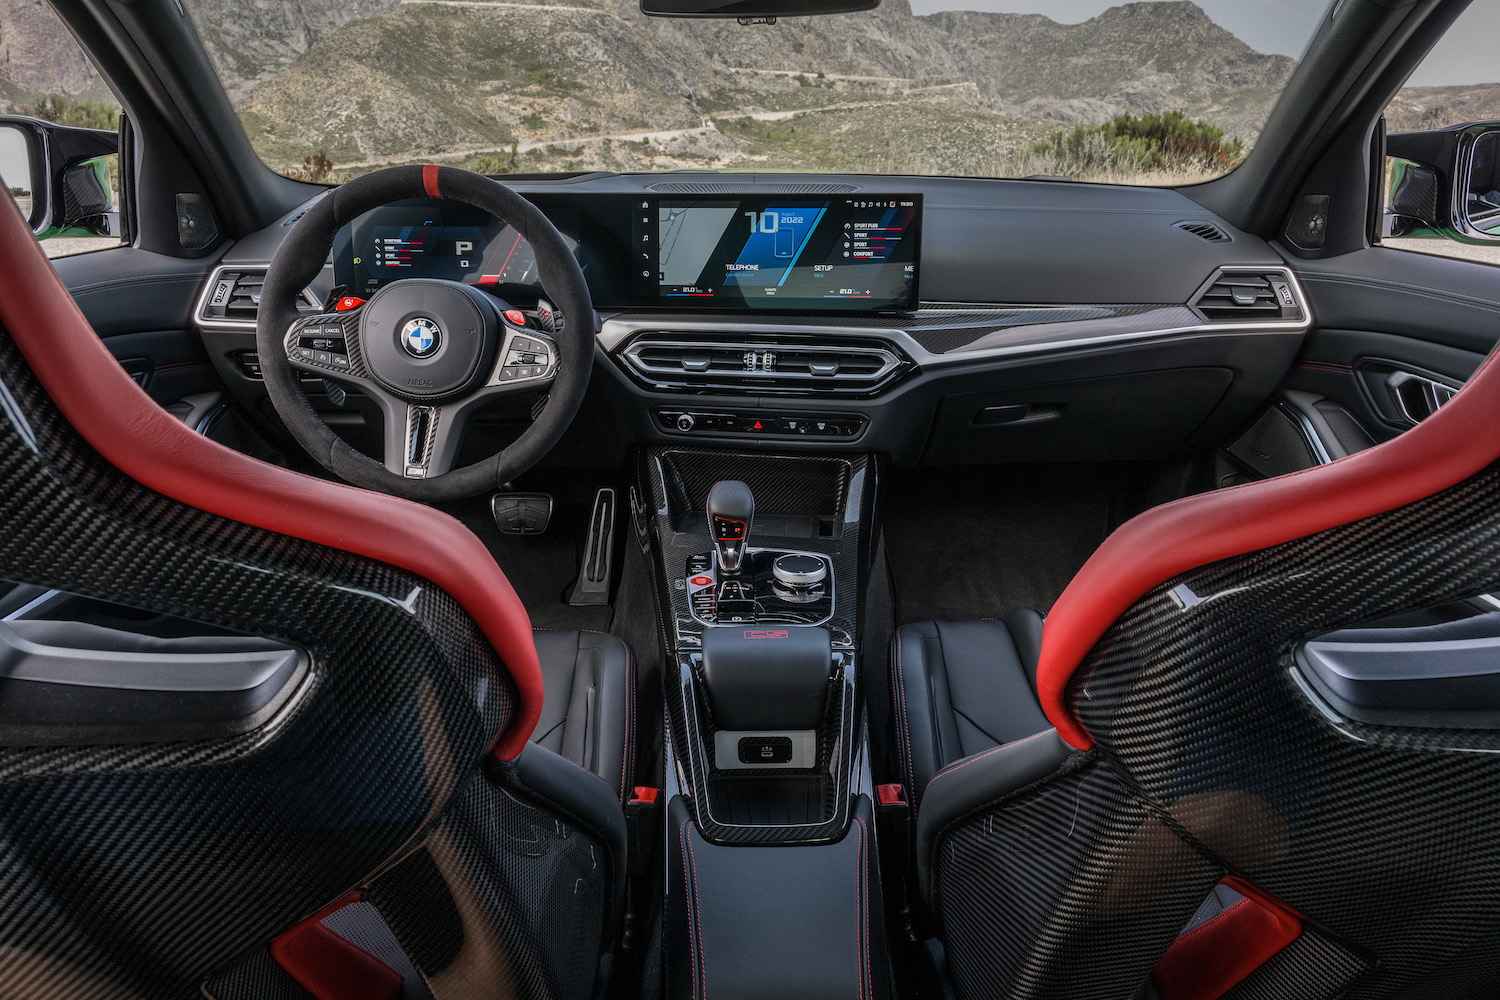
817 425
328 358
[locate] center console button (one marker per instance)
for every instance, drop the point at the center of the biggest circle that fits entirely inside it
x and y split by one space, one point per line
685 422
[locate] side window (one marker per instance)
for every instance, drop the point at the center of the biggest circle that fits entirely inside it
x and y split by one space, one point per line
58 135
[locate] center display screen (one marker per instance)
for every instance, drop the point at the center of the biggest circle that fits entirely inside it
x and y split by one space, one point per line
846 253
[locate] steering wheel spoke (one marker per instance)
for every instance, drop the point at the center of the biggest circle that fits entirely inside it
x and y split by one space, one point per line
527 360
421 439
327 344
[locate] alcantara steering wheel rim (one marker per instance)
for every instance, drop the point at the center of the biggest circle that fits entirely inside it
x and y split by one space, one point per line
446 367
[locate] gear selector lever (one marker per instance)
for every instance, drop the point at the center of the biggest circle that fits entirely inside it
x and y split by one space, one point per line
731 511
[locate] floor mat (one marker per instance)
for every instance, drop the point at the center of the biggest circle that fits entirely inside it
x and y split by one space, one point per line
977 543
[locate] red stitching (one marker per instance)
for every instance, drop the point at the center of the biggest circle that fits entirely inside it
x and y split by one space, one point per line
701 953
862 918
911 774
687 883
1213 919
987 753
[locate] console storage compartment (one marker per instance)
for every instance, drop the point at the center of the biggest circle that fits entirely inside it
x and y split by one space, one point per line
751 922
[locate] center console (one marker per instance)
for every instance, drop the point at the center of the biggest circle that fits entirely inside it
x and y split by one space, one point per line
761 561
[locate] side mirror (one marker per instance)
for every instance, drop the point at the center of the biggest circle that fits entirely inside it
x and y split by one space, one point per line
1445 183
60 176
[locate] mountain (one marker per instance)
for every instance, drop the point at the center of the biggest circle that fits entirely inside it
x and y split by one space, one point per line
427 77
1417 108
37 54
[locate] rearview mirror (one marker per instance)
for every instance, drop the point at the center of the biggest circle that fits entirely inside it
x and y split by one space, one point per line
1445 183
753 10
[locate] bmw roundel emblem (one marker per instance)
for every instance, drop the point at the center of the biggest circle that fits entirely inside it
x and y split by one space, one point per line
421 337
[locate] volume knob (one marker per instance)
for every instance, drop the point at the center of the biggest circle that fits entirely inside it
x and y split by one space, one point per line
799 572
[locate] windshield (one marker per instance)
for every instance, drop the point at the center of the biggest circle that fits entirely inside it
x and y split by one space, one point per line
1145 93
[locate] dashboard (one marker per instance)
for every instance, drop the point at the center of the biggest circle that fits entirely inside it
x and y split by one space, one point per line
972 321
840 254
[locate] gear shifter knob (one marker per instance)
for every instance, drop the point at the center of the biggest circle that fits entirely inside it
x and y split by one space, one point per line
731 510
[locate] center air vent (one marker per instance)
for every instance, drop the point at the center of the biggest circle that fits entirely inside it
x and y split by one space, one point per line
686 362
1249 296
232 298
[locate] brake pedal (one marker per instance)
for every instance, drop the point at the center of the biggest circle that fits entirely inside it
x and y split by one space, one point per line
598 553
521 513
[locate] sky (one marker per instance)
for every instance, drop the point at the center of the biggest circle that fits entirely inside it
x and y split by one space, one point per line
1466 55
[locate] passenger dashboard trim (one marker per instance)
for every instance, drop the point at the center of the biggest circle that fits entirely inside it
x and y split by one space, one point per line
1169 320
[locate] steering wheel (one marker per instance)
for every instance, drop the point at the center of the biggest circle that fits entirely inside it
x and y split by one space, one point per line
429 352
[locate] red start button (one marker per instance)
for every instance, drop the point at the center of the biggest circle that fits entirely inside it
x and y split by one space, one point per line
702 581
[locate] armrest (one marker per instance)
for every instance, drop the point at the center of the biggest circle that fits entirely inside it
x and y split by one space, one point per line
967 784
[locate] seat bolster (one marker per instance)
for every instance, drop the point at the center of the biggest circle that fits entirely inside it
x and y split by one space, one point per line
916 657
1025 628
589 713
585 797
968 784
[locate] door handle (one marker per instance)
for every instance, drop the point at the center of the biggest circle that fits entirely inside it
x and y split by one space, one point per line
1416 396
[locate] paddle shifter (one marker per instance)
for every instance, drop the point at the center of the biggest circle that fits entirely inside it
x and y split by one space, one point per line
731 510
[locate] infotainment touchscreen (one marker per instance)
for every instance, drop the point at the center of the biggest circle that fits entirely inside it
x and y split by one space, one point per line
856 253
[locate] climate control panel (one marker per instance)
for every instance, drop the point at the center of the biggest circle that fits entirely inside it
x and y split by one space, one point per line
845 426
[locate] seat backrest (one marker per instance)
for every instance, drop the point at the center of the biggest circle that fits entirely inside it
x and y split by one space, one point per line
138 869
1170 663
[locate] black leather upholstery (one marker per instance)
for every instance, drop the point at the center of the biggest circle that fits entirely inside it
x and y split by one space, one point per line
588 711
962 688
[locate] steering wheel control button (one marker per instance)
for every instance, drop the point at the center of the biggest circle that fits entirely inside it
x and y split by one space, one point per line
421 337
348 303
514 317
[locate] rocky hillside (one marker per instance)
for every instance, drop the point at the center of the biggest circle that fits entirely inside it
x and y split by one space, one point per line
428 78
1418 108
37 55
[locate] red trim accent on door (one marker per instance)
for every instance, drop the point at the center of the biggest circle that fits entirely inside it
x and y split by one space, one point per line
1447 448
147 444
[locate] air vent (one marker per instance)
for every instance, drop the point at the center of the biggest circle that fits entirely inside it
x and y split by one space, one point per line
232 298
674 360
1204 231
720 187
1248 296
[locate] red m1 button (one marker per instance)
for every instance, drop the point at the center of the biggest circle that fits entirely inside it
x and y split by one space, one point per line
347 303
514 317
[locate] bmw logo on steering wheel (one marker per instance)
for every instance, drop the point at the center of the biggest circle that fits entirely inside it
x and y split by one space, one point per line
421 337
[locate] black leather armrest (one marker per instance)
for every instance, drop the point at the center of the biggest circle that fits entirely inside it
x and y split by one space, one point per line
585 797
967 784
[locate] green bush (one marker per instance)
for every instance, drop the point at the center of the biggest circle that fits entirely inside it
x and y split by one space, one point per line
497 163
1145 144
64 110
